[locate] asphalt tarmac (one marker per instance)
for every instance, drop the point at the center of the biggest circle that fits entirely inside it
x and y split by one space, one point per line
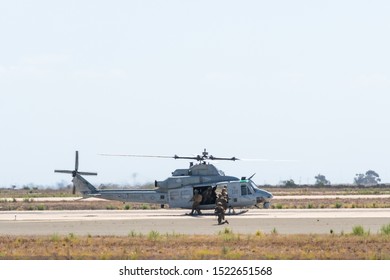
125 222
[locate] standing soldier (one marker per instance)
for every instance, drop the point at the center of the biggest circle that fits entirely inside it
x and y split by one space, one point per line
225 195
220 212
197 199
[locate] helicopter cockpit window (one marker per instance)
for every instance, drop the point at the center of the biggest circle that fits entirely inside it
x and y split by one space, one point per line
245 190
254 187
221 173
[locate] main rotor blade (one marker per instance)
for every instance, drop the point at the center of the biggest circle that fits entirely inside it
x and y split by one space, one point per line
147 156
198 157
222 158
150 156
269 160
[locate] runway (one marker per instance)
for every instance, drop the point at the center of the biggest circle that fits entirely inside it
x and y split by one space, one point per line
276 197
168 221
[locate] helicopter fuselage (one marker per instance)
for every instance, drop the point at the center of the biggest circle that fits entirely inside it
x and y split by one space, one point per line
242 193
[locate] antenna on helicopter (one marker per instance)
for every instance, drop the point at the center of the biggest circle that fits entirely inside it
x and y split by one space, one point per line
252 176
75 171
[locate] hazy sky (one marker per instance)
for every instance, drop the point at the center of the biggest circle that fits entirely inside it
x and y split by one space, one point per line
297 80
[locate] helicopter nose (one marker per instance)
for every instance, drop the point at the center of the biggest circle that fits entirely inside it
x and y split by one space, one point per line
266 197
259 200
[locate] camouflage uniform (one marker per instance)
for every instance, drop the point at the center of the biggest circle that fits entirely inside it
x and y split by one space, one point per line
225 193
226 198
221 199
220 212
197 199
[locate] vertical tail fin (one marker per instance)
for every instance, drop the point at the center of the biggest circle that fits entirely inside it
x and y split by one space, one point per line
85 187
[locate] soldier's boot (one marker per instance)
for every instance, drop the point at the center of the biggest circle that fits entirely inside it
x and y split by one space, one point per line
226 221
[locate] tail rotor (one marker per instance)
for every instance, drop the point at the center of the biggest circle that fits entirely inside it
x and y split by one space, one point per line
75 171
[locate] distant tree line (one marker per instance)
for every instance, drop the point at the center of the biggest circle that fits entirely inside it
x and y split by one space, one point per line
370 178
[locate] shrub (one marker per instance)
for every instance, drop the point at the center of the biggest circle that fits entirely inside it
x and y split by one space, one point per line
55 237
359 231
133 234
41 207
127 207
153 235
259 233
385 229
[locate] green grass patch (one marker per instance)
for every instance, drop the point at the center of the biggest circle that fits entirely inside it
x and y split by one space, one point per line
338 205
385 229
154 235
41 207
359 231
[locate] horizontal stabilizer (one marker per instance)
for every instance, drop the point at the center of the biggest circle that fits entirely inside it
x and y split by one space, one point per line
87 173
64 171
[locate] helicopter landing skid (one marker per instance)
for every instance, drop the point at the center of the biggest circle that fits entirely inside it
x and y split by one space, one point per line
235 213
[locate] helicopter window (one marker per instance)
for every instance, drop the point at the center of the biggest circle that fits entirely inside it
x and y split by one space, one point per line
245 190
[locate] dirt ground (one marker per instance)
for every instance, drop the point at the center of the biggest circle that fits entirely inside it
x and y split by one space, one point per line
221 246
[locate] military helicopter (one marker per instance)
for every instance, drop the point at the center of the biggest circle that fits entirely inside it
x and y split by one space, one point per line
177 190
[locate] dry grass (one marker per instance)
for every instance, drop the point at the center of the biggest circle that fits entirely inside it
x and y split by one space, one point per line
330 203
225 245
36 192
329 190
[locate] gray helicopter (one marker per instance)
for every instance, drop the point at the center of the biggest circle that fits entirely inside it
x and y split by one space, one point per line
178 190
